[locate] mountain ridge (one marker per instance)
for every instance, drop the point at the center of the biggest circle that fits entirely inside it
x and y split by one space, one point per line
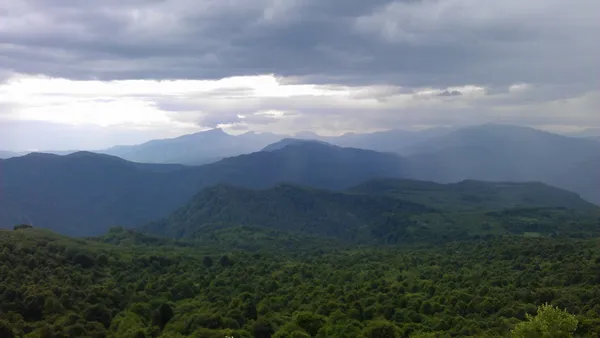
86 193
371 212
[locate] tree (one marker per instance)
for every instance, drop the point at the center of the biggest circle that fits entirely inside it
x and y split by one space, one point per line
381 329
5 330
163 315
550 322
310 322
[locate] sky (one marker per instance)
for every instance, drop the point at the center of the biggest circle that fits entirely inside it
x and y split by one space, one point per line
92 74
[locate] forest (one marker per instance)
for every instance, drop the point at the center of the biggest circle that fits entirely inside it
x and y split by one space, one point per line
243 282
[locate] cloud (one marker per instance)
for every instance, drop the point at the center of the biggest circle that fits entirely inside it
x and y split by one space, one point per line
289 65
263 103
409 43
450 93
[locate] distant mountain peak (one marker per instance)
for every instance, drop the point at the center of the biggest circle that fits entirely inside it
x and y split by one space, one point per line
294 141
40 155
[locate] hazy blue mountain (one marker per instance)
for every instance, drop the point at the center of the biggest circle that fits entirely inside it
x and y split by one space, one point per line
392 141
213 145
198 148
86 193
582 177
9 154
501 153
307 163
586 133
290 141
508 153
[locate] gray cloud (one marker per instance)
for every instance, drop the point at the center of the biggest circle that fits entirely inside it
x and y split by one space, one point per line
410 43
450 93
383 53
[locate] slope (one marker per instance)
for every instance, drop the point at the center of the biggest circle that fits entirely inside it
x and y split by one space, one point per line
472 195
373 212
499 153
284 207
8 154
583 177
85 193
308 163
198 148
289 141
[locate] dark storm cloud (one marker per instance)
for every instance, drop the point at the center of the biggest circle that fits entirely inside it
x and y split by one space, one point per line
410 43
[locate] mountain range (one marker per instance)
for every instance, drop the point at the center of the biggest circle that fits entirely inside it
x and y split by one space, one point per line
85 193
504 153
198 148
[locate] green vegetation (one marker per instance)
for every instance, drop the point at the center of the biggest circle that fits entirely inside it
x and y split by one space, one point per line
550 322
143 286
388 258
390 212
472 195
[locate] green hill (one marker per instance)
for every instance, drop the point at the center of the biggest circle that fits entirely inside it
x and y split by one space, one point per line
473 195
290 208
389 211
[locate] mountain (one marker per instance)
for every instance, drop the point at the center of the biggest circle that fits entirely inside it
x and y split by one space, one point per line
198 148
387 211
85 193
284 207
290 141
472 195
501 153
9 154
390 141
582 177
585 133
307 163
212 145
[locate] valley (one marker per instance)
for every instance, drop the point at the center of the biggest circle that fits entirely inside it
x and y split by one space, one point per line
303 239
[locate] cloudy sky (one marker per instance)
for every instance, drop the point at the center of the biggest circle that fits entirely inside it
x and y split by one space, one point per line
90 74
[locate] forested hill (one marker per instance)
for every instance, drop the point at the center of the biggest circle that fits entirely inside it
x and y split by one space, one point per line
53 286
471 195
389 211
84 193
286 207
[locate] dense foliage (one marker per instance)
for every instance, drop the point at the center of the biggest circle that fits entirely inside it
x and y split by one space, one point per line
470 195
390 211
52 286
